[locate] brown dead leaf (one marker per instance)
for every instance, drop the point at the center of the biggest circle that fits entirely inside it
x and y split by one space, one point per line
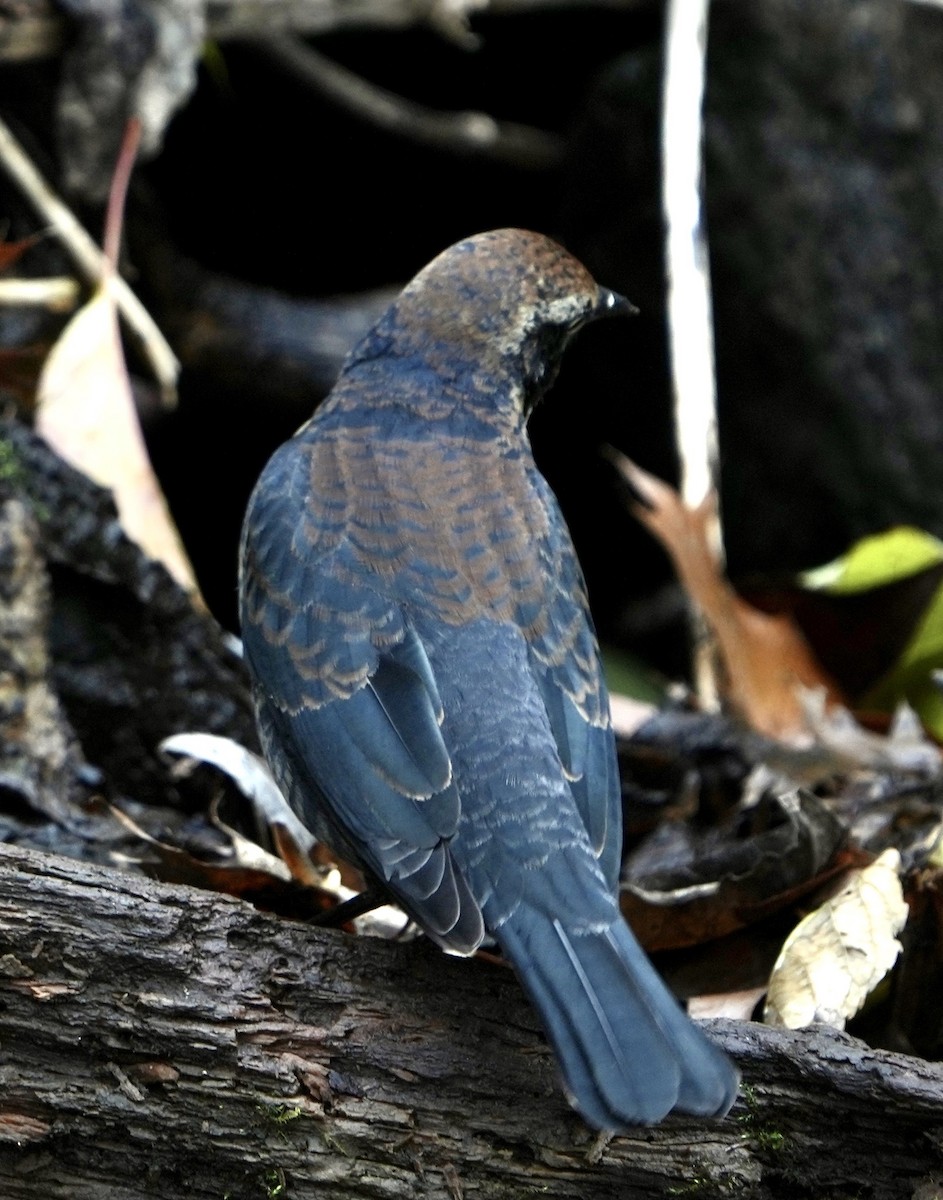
302 866
10 252
251 775
299 861
837 955
764 656
246 871
85 410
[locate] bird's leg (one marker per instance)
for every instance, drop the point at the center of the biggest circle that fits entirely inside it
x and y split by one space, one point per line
364 902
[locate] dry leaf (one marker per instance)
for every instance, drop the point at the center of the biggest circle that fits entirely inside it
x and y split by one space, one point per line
298 860
837 955
628 714
788 847
244 869
85 410
11 251
765 657
243 864
250 774
734 1006
905 747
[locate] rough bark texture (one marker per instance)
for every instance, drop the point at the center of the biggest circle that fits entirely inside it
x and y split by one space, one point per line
159 1041
131 660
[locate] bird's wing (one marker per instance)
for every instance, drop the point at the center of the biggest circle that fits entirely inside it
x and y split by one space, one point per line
349 700
565 657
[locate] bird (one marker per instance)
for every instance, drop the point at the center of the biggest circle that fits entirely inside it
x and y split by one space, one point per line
426 676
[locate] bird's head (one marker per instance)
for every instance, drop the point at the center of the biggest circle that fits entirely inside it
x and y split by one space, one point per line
498 307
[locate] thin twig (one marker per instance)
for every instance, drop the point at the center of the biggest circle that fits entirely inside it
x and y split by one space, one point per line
90 260
118 193
690 321
461 132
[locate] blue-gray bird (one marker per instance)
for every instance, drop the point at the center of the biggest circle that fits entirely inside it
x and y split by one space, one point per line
427 678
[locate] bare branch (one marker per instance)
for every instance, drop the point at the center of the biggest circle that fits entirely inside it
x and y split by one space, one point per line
38 32
463 132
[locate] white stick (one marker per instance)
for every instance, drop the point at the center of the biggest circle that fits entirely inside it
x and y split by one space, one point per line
690 318
690 323
58 294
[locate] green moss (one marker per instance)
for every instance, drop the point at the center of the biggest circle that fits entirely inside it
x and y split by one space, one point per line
281 1113
11 469
755 1129
274 1183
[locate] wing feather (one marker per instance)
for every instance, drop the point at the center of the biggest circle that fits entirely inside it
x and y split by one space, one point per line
351 705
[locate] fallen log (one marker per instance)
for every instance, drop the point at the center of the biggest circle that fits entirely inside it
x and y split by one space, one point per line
161 1041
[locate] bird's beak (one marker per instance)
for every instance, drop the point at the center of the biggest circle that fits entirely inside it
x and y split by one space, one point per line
611 304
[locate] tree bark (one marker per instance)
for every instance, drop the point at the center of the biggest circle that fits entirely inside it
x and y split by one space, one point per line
158 1041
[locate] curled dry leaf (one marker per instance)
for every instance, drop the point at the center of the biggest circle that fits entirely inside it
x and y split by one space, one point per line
250 774
837 955
905 748
790 848
244 868
765 657
272 816
85 410
299 860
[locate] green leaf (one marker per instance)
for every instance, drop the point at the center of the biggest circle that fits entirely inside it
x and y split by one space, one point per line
911 678
875 561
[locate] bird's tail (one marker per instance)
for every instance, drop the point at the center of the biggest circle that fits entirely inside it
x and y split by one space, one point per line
627 1052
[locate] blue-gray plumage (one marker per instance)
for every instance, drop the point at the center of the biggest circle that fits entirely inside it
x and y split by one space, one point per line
427 678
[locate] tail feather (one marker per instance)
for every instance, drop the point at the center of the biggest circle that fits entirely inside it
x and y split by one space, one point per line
628 1053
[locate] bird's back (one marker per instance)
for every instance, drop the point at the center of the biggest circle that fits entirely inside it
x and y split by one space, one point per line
438 515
